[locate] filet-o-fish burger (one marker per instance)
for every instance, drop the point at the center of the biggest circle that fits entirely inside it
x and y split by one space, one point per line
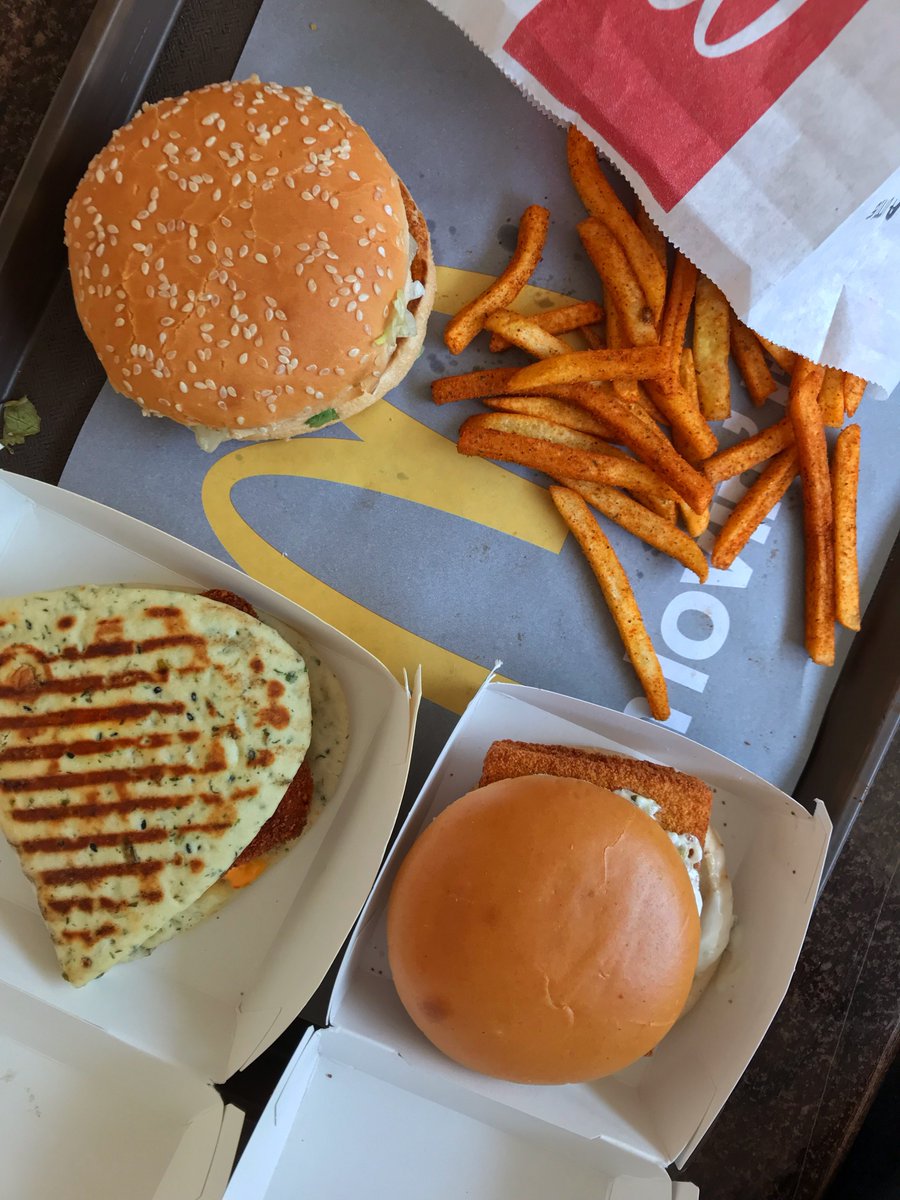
553 925
246 262
158 751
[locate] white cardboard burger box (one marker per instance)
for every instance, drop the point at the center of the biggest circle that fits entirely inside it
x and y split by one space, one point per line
368 1107
106 1090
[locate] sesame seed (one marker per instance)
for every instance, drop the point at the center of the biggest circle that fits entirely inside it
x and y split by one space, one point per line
311 284
260 258
183 386
242 358
240 420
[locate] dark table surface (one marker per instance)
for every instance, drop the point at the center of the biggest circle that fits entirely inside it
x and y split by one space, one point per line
787 1128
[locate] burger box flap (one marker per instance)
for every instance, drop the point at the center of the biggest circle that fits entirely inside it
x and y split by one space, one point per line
212 999
92 1118
351 1118
775 851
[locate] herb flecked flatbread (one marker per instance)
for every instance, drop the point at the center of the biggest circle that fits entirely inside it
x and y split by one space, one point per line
145 738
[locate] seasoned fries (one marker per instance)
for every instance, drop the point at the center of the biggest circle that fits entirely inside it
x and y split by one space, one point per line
618 596
844 485
621 285
751 362
566 319
520 331
473 385
753 507
469 321
853 393
831 398
711 344
624 425
587 366
555 459
752 450
646 441
818 517
656 531
602 202
678 305
549 409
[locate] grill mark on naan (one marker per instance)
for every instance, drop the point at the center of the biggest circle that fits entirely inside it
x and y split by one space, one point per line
88 904
60 812
112 714
56 845
45 751
90 937
67 876
111 775
85 683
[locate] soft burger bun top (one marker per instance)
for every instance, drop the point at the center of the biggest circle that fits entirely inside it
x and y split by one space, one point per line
543 930
235 255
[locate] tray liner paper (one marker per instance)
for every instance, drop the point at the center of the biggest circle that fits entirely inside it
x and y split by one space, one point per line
421 555
762 135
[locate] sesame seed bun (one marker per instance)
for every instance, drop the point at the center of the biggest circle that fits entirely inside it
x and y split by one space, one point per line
543 930
235 256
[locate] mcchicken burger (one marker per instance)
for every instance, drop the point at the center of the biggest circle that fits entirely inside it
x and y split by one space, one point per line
246 262
552 925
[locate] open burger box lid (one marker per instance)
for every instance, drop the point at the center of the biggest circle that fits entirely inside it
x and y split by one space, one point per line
369 1107
117 1076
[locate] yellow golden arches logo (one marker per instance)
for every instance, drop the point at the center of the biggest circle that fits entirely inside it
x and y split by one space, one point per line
433 474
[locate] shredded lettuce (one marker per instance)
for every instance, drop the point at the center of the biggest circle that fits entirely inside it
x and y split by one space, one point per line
20 420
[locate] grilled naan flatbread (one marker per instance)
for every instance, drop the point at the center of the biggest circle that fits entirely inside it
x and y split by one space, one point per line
145 738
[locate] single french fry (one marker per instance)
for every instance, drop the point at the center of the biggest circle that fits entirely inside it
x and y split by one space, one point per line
469 321
656 239
691 435
844 487
753 507
520 331
593 335
566 319
473 385
696 439
711 350
831 398
550 409
751 362
748 453
786 359
818 515
678 305
618 596
557 460
654 530
600 200
646 441
585 366
621 286
694 523
853 392
530 426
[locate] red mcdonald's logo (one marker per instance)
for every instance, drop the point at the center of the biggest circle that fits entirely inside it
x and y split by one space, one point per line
673 84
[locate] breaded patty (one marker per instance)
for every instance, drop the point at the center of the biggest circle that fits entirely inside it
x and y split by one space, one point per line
684 800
